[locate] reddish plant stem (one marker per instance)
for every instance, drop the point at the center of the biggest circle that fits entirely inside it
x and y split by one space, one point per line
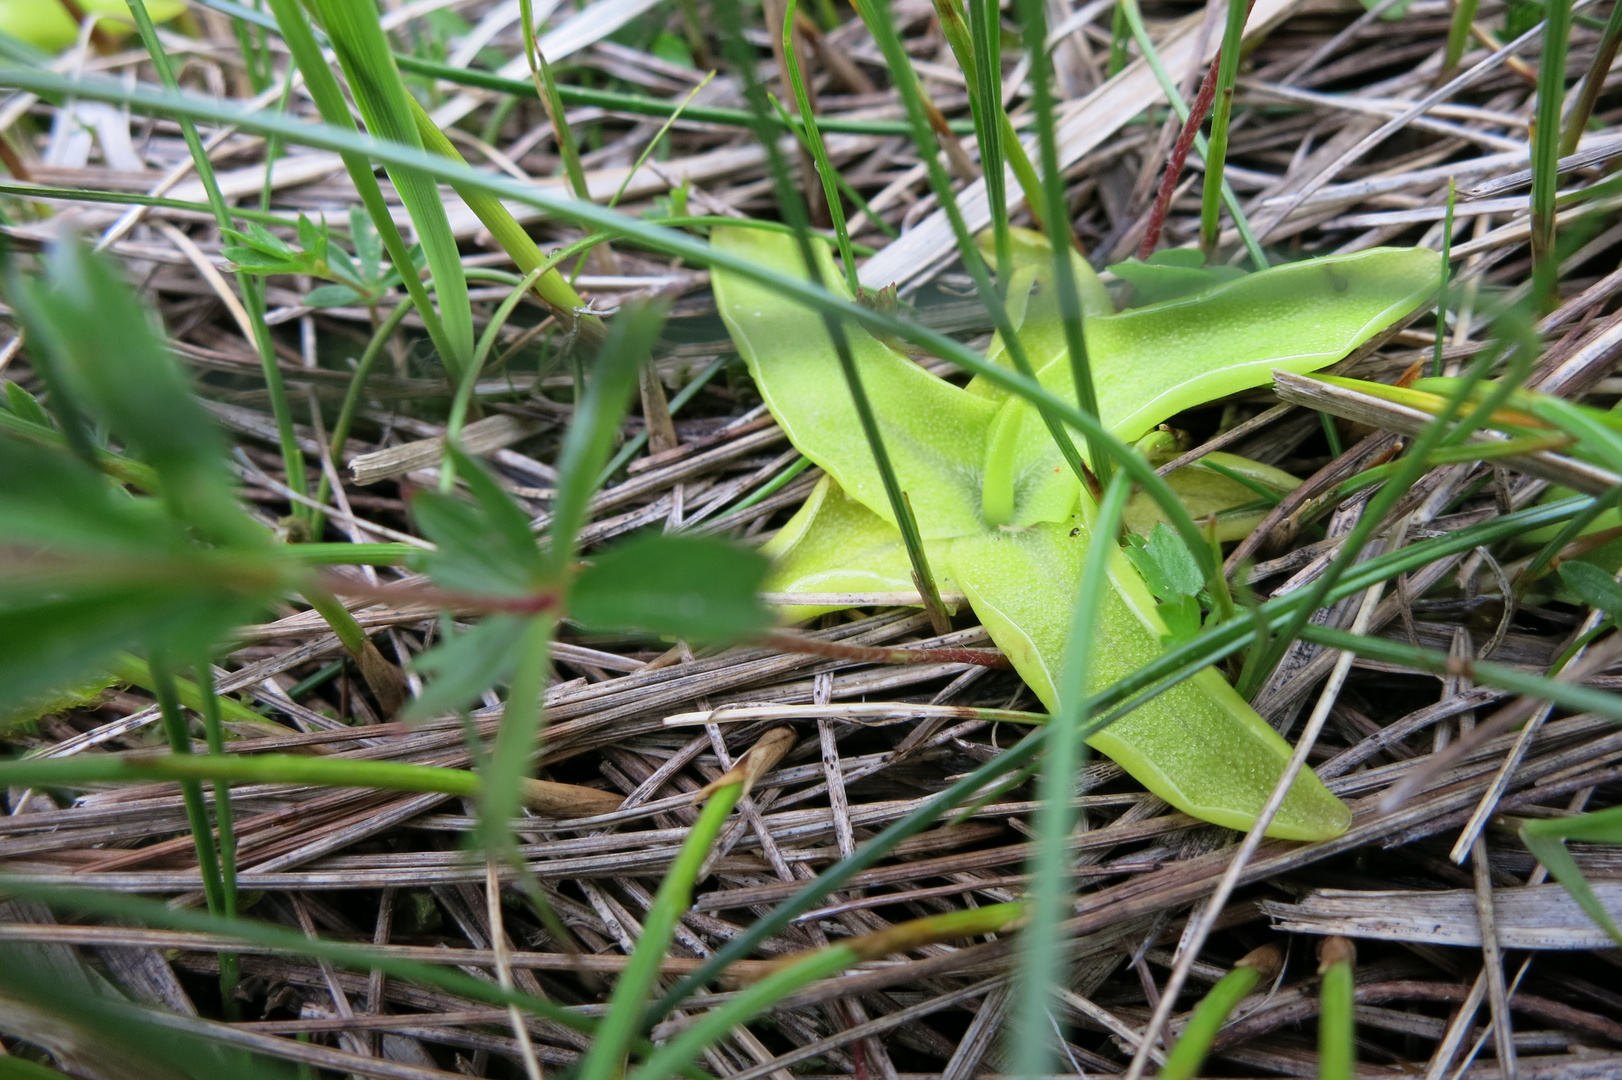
1179 157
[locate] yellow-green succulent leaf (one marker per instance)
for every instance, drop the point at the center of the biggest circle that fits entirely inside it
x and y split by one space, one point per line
935 432
1033 305
46 24
1152 362
834 544
1198 745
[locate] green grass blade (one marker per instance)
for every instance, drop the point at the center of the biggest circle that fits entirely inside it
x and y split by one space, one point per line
606 1058
1441 288
878 18
751 1001
334 109
252 296
1168 86
1548 847
1458 36
1042 964
1551 96
1216 152
1593 82
553 288
819 151
384 103
191 790
215 736
1056 213
546 87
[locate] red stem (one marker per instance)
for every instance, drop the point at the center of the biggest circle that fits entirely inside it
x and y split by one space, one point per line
1178 158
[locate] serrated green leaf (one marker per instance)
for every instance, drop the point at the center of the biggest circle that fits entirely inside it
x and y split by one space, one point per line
484 546
101 352
683 586
464 666
1166 564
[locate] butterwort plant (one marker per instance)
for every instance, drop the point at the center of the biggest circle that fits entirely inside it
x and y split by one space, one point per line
1003 518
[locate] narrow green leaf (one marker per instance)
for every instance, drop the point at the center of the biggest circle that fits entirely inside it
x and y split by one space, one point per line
1550 850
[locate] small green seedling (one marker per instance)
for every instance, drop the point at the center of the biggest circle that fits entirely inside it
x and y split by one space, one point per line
359 279
1337 1054
1249 971
1003 517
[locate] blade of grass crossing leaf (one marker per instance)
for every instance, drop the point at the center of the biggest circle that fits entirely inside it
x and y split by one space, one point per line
819 150
1551 94
1056 213
605 1060
1593 82
1409 467
252 298
546 86
793 209
878 18
1042 965
1217 147
384 103
334 109
651 236
1168 86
